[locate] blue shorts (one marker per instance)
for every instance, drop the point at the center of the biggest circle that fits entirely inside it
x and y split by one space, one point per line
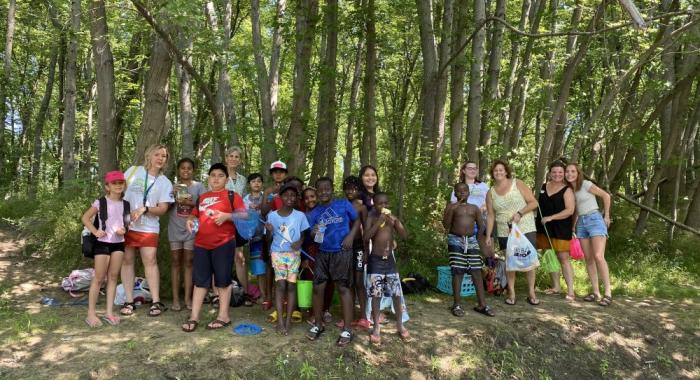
217 262
591 225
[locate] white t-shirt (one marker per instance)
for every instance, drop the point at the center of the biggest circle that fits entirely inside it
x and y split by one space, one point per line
160 190
585 200
477 194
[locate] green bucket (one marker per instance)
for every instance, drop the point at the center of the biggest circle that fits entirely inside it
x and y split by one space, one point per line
305 290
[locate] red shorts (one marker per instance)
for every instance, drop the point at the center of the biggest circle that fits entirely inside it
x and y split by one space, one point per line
141 239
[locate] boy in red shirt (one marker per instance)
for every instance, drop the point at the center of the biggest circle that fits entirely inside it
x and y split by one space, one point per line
214 245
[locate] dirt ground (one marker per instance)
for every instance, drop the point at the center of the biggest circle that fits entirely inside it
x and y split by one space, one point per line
634 338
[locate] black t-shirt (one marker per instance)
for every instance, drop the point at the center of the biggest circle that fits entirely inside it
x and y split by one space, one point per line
550 205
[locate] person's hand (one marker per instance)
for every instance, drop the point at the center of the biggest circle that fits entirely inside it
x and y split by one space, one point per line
221 217
546 219
315 229
488 252
190 225
606 219
121 231
100 233
347 243
268 227
136 214
515 218
305 264
489 243
382 219
254 206
296 246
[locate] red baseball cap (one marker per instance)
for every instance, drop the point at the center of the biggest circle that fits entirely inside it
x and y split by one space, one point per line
113 176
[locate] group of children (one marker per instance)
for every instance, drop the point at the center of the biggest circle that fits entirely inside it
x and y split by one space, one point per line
344 243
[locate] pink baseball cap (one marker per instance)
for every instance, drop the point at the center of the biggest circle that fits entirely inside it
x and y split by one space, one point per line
278 165
115 175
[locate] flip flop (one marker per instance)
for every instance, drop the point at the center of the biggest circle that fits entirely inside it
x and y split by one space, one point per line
297 317
532 302
510 301
404 335
176 308
130 306
375 340
111 319
94 324
191 325
457 311
219 324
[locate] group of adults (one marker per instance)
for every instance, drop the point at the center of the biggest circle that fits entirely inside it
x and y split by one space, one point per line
566 208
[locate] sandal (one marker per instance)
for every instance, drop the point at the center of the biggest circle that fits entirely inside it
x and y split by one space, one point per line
485 311
315 332
297 317
375 340
591 298
111 319
191 325
457 311
175 307
510 301
344 339
272 318
533 301
569 298
605 301
552 292
157 306
404 335
327 317
361 324
127 308
93 324
217 324
340 324
267 305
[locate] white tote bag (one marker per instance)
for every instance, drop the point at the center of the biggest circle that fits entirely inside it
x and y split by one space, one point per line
521 255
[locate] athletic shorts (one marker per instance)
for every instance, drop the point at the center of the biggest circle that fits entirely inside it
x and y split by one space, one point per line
334 266
559 245
136 239
591 225
102 248
217 262
384 285
187 245
286 265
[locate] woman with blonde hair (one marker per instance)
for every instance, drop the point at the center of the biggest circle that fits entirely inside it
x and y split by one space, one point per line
150 193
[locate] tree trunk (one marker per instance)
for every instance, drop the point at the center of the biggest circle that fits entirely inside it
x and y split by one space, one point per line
492 93
277 40
154 126
70 95
104 72
6 75
39 126
475 95
134 68
457 76
185 100
306 18
352 109
430 71
563 96
268 148
324 149
369 136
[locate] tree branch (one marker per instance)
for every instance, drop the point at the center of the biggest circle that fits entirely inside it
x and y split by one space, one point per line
658 214
555 34
165 36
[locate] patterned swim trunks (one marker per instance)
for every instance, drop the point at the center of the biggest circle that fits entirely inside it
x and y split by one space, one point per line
384 285
286 265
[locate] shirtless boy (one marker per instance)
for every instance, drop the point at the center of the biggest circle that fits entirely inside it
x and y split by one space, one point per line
462 221
381 264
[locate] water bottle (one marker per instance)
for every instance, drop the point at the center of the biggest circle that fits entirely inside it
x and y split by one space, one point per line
319 235
195 226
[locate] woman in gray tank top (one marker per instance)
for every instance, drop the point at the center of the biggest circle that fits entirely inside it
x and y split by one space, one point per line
591 229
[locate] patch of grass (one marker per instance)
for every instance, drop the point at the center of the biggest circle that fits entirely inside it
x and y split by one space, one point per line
307 371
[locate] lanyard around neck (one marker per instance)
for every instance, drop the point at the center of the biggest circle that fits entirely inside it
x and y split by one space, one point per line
146 190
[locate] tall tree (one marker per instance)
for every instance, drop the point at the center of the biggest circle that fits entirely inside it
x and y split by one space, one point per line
327 95
39 126
368 149
185 99
6 75
475 88
352 108
104 72
70 94
457 76
306 19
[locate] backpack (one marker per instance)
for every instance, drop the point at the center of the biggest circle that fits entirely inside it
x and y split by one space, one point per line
88 240
237 295
78 281
414 283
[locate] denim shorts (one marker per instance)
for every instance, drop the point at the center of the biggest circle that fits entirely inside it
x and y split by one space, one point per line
591 225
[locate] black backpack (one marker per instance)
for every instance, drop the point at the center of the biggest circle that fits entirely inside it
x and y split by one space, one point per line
414 283
100 220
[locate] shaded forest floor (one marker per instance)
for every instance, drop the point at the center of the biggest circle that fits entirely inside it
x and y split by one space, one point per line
634 338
